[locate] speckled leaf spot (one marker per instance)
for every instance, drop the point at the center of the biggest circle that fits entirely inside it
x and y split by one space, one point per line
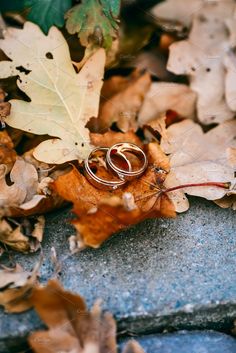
62 101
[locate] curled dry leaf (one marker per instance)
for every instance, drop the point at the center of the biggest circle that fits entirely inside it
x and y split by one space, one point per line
192 163
122 108
25 237
69 99
29 192
25 182
71 326
15 288
227 202
23 193
101 213
163 96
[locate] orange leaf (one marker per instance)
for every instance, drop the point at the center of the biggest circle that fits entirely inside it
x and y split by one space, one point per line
101 213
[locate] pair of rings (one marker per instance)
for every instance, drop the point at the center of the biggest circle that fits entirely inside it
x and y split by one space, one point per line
116 160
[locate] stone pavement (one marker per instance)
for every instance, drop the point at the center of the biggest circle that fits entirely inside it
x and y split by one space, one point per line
160 275
188 342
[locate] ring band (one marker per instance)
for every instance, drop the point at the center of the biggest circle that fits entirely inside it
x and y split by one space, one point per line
119 149
95 180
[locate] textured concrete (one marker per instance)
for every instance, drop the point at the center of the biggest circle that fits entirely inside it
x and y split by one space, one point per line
188 342
161 274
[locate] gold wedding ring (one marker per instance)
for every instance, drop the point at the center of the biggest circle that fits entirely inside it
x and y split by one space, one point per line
119 149
111 156
97 181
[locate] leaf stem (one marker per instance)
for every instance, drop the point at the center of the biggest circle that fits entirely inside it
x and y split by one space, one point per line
217 184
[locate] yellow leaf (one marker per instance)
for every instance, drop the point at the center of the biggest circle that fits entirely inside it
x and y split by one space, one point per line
62 101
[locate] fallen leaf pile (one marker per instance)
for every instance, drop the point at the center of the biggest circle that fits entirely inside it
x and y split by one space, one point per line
60 109
207 56
64 92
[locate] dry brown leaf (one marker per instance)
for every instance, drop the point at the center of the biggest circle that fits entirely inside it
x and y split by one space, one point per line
37 206
29 192
108 217
163 96
39 229
5 108
116 84
71 326
111 137
7 152
15 288
101 213
227 202
197 158
13 237
212 79
122 108
25 237
75 188
25 182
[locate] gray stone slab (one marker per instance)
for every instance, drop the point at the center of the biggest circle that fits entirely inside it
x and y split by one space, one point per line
161 274
188 342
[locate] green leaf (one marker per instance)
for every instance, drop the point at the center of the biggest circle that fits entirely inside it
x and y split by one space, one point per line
13 5
95 21
47 13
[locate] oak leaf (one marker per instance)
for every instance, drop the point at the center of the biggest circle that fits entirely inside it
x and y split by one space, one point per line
71 326
94 21
198 158
62 101
47 13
